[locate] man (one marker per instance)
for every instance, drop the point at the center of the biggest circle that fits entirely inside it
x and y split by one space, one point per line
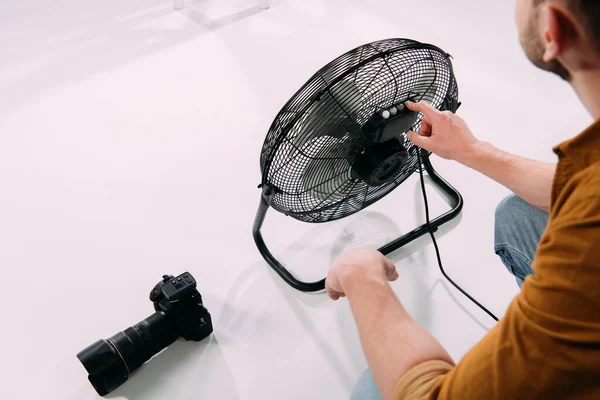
547 346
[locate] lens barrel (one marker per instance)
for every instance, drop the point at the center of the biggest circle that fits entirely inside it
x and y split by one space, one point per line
110 361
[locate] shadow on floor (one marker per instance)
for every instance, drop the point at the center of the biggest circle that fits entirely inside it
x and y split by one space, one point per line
48 49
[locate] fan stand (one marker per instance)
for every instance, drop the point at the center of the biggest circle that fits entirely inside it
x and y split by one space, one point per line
265 203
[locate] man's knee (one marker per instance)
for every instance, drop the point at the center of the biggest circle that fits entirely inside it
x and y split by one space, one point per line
508 213
506 241
517 231
518 223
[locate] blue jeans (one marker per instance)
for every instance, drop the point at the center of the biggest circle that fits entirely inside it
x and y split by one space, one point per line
518 229
517 232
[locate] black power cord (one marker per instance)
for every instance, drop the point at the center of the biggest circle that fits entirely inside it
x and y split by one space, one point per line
437 250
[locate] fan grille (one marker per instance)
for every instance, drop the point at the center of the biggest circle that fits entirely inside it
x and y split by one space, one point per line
310 147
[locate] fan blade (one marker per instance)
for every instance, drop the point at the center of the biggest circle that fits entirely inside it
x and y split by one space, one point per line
325 174
329 171
426 87
333 115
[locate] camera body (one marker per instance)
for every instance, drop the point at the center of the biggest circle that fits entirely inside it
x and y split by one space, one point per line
181 302
179 313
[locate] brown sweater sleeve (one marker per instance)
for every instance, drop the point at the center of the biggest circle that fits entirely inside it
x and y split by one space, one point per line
419 381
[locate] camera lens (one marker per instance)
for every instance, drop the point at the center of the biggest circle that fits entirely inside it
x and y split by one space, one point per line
109 362
107 370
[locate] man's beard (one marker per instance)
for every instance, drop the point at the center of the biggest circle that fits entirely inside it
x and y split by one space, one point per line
534 49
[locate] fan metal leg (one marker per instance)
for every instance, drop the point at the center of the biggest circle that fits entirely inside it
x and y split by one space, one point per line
457 206
265 203
263 207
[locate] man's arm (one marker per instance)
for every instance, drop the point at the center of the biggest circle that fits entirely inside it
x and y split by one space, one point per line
547 345
530 180
447 135
393 342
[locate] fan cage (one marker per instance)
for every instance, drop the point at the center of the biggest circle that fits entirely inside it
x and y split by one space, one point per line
307 156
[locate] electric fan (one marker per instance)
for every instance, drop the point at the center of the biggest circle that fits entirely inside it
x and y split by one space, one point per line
339 144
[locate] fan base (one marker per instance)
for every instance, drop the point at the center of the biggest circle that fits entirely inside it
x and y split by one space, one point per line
290 279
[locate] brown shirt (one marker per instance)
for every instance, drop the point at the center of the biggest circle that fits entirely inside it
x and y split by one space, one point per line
547 346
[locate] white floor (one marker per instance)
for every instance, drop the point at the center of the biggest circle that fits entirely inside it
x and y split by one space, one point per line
129 143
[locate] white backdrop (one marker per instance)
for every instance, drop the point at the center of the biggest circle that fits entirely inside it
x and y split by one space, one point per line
129 143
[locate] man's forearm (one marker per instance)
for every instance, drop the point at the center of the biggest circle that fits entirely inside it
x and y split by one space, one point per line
392 341
531 180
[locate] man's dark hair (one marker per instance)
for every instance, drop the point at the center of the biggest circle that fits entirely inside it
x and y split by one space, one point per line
589 10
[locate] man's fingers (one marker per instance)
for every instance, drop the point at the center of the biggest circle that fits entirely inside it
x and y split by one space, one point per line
417 139
390 269
392 273
333 294
422 107
426 127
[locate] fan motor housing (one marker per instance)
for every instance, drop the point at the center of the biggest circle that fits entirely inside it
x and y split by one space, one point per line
379 162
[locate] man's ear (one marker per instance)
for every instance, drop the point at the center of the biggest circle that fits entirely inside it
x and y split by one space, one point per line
558 28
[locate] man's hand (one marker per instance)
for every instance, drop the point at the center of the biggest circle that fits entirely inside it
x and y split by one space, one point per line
448 136
443 133
363 263
392 341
